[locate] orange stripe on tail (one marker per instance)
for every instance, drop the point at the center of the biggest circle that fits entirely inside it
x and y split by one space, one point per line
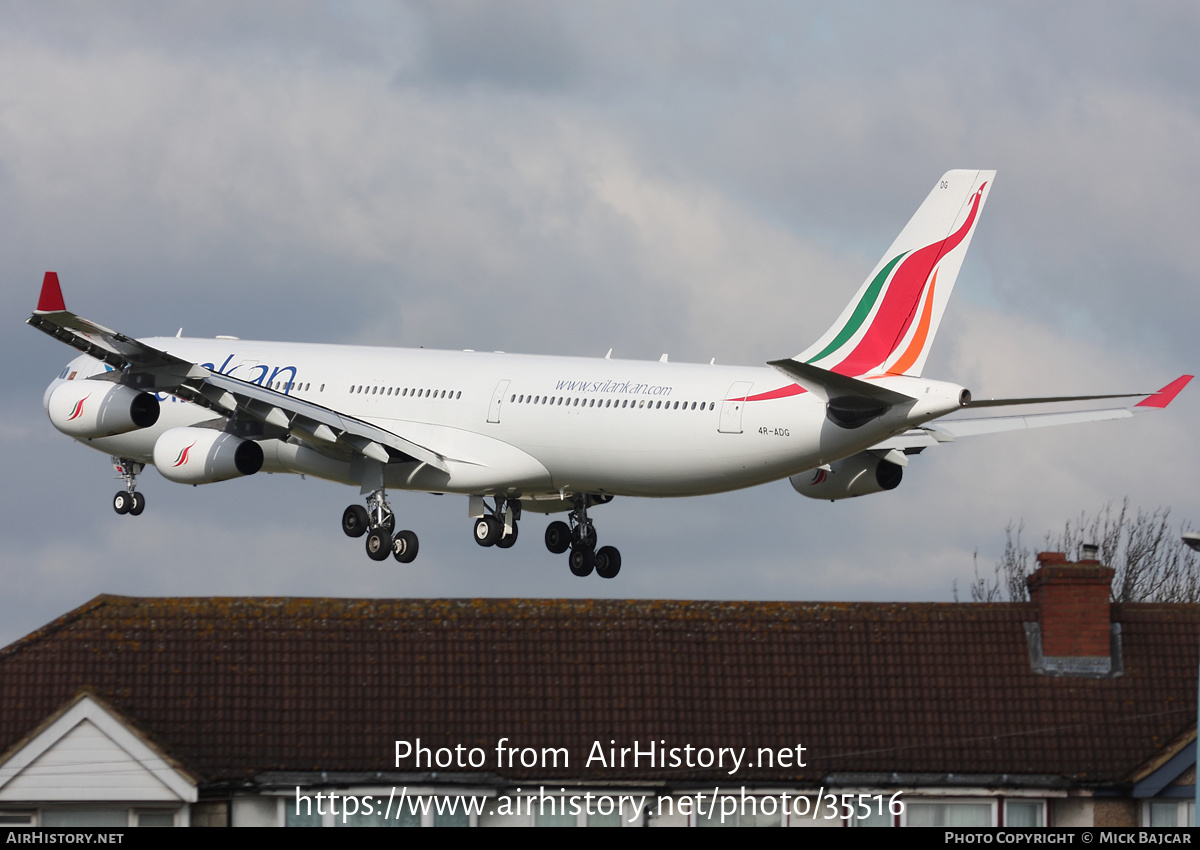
917 344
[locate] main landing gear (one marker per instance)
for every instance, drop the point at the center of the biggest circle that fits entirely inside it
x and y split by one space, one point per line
498 526
580 537
378 522
128 501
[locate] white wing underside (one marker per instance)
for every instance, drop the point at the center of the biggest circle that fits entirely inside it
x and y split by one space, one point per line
949 430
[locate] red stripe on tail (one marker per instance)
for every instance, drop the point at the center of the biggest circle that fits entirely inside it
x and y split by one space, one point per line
899 305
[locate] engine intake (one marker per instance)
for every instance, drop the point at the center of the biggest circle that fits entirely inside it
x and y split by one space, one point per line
204 456
88 409
857 475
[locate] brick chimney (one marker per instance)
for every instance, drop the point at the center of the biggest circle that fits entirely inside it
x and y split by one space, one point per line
1075 629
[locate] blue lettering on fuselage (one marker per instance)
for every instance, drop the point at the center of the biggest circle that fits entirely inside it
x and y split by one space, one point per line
258 375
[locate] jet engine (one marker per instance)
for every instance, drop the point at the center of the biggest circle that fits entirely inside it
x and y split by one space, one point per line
89 409
203 456
858 475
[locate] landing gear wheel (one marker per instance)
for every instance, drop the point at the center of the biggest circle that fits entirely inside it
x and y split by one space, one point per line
608 562
582 561
355 521
506 541
488 530
558 537
139 504
404 547
122 502
379 544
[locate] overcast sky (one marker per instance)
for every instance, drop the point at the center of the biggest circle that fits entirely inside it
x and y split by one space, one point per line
704 179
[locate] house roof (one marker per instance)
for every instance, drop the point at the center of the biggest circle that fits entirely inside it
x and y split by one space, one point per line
88 751
234 687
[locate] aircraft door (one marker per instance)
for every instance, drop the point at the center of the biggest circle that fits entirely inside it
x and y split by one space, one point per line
731 408
497 400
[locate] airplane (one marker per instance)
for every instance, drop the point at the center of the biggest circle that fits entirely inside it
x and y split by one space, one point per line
520 433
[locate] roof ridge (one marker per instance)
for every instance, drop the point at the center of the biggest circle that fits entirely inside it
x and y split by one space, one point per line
57 625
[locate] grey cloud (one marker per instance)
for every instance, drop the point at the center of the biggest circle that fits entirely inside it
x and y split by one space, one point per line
523 45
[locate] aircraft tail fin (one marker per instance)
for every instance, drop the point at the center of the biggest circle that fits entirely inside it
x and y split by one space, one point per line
889 325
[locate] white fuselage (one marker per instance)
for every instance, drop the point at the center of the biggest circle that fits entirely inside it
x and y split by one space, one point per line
535 427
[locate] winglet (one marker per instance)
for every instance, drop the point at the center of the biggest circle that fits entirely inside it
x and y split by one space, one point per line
1166 395
51 300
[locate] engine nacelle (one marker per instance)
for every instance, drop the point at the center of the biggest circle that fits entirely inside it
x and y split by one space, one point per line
203 456
87 409
857 475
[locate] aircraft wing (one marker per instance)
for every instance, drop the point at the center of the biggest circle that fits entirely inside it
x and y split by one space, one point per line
949 430
148 368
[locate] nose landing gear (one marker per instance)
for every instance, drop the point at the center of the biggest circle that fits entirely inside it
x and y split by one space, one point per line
128 501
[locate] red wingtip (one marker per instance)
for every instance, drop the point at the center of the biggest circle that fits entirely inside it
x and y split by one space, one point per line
1166 395
51 300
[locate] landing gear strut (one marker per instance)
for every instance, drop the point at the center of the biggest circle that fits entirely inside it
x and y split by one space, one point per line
128 501
580 537
377 521
498 526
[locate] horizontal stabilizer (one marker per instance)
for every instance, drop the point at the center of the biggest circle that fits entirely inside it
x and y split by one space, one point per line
825 384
